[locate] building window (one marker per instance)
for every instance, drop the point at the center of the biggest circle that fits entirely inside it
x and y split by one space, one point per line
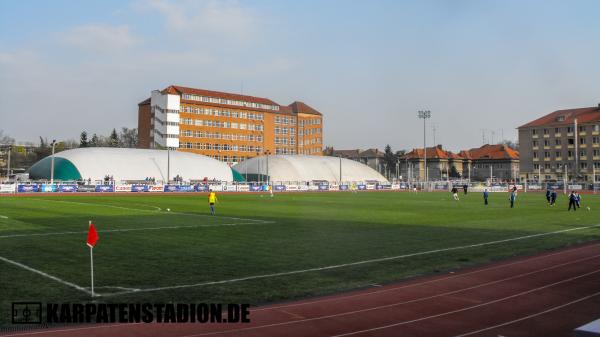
569 129
557 154
546 154
581 128
534 132
546 131
571 141
557 141
581 140
557 130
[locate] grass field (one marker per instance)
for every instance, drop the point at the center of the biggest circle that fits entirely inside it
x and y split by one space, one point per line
260 249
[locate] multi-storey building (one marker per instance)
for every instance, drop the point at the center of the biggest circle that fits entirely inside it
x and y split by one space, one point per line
225 126
497 162
565 141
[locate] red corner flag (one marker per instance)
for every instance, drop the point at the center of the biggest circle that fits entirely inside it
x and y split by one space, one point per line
92 236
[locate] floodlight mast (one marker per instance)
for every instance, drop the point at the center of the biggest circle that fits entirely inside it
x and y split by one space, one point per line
424 114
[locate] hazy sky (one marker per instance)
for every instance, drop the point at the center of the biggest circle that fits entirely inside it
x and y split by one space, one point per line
68 66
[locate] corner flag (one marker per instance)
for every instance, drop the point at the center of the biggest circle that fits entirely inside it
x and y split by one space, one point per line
92 237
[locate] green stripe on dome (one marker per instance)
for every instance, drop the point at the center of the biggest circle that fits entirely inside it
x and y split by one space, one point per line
237 176
63 169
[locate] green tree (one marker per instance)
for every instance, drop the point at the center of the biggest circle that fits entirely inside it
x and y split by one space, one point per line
95 141
113 140
83 141
389 158
128 137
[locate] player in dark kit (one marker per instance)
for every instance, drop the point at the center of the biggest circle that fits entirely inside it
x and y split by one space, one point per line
572 201
548 193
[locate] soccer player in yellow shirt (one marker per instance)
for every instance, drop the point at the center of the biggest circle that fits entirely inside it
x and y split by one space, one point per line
212 200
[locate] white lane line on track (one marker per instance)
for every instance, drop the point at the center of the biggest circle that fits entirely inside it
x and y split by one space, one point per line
468 308
356 263
532 315
52 277
375 292
399 303
136 229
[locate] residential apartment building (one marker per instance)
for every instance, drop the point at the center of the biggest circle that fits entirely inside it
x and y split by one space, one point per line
498 162
228 127
564 141
441 164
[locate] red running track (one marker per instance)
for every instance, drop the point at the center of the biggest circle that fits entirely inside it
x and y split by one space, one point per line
544 295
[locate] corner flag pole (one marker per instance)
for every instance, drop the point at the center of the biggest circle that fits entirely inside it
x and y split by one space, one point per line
91 242
92 263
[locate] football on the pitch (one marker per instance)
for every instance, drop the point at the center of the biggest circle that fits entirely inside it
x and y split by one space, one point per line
168 209
588 208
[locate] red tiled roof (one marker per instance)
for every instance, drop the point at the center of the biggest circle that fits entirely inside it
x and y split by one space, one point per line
436 152
300 107
175 89
497 151
567 117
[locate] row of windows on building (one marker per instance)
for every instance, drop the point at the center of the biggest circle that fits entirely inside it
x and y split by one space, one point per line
221 124
285 150
220 147
494 166
558 154
207 99
223 113
568 129
313 131
219 135
311 151
312 121
309 141
285 141
570 141
285 120
561 166
156 108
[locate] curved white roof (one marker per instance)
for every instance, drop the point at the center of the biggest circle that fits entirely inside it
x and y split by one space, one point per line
308 168
137 164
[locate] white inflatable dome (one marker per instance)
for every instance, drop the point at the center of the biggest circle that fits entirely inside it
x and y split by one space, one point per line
284 168
130 164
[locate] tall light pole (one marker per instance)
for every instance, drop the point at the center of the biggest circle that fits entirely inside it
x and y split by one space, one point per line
267 153
52 163
8 164
340 169
259 176
424 114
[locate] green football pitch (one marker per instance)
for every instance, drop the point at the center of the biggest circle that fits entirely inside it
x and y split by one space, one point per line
259 249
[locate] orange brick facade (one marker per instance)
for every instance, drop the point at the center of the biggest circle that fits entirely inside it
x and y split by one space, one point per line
231 127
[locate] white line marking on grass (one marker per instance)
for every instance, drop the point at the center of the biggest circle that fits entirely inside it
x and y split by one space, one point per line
136 229
3 217
532 315
469 308
399 303
389 258
157 209
39 272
